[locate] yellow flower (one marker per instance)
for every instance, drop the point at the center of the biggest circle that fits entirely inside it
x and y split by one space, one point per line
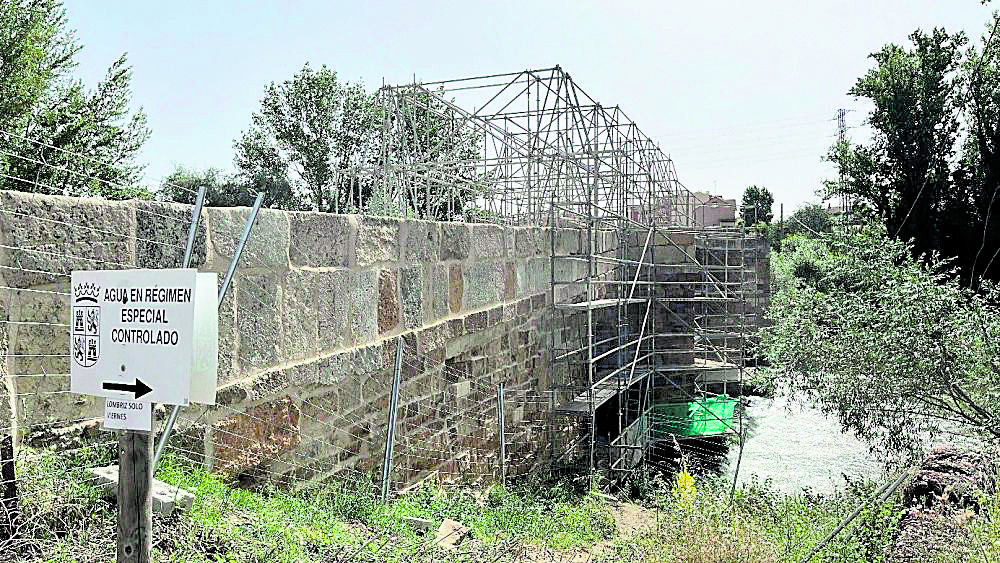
685 491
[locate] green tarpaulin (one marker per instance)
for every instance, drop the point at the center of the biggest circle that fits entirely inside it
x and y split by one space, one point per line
704 417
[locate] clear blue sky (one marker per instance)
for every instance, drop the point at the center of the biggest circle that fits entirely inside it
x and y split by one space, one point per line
738 93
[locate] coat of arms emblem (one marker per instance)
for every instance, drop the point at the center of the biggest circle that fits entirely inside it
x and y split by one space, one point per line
86 336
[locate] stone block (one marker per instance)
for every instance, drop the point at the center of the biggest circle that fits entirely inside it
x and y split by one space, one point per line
523 281
321 240
568 242
529 241
161 230
363 307
476 322
455 241
259 387
166 498
267 246
388 301
47 237
539 274
440 286
378 241
509 281
322 415
259 320
357 363
260 434
411 290
46 399
488 241
332 303
229 365
300 314
39 339
423 241
456 287
432 338
484 284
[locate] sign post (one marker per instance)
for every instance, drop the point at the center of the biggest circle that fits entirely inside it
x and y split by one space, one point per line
135 496
139 337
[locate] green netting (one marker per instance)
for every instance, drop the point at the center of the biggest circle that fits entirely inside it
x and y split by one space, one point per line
704 417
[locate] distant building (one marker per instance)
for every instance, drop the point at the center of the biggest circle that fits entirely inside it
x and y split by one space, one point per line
713 210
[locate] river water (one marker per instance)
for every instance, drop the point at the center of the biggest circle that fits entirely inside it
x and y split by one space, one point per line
795 446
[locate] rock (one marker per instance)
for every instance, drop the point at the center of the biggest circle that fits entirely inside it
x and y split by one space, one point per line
418 525
484 284
166 498
940 500
388 301
161 230
47 237
488 241
950 478
263 433
450 534
455 241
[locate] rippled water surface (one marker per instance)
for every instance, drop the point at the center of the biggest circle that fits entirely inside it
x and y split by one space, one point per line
795 446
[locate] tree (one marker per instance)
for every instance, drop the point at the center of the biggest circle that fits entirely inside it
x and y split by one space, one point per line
317 143
756 206
977 179
893 346
56 137
310 133
809 220
923 181
183 183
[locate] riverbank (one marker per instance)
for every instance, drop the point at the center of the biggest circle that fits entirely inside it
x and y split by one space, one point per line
684 518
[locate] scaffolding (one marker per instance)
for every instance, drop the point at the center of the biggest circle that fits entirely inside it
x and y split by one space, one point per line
649 305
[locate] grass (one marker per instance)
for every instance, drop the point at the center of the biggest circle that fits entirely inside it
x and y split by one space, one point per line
332 520
684 519
697 522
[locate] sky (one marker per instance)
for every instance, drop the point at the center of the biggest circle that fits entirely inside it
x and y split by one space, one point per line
737 93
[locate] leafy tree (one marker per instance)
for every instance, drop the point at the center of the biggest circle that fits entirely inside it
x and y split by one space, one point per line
183 183
977 180
317 143
55 136
893 346
809 220
756 206
310 132
924 183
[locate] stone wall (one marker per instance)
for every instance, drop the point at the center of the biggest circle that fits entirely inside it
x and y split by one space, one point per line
307 333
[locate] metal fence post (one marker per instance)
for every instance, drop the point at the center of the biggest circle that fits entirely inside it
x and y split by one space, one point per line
391 428
501 427
247 228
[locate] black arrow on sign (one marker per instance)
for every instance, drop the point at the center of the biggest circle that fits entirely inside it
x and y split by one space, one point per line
139 388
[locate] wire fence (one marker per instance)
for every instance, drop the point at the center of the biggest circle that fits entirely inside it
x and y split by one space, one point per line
331 425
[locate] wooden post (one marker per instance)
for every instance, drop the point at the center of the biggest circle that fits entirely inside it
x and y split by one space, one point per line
135 497
8 490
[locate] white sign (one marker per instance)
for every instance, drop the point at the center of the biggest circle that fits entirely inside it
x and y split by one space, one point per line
120 414
205 371
133 334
